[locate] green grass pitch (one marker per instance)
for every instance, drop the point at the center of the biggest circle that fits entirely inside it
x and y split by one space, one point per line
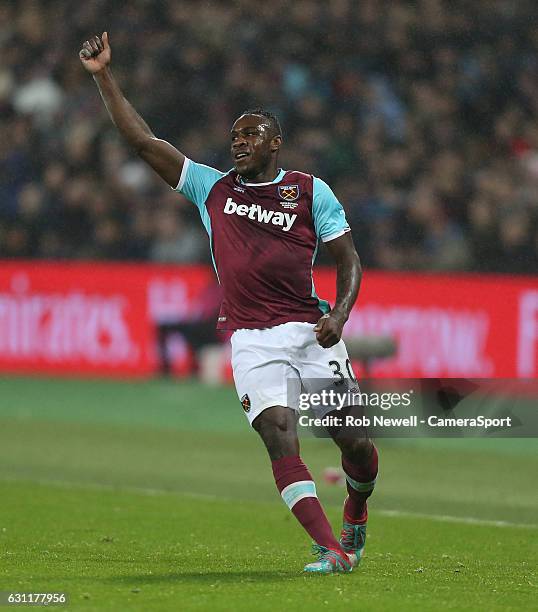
157 496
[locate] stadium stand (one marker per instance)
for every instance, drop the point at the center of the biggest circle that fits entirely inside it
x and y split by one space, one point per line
422 116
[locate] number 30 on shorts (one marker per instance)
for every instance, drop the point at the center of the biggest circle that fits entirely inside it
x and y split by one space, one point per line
338 374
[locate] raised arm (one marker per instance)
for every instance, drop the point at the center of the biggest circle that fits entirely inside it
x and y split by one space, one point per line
165 159
348 280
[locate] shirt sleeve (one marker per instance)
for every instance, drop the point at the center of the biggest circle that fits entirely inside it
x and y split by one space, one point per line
328 214
196 181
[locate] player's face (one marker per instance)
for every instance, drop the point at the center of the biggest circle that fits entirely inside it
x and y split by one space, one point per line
252 145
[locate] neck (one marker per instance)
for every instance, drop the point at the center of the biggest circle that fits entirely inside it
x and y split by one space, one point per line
265 176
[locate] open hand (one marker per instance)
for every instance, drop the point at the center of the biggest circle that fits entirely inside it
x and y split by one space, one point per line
95 53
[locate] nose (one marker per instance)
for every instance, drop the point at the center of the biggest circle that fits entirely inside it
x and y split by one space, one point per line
238 142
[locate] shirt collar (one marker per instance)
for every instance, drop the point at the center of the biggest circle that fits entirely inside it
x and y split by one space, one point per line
277 179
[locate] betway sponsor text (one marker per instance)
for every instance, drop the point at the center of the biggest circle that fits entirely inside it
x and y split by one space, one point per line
262 215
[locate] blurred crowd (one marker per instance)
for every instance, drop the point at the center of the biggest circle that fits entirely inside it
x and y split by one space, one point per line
422 116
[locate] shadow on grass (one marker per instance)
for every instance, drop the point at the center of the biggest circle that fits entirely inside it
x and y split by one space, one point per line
204 577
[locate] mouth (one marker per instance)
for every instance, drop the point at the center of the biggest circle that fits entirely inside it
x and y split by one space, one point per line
241 155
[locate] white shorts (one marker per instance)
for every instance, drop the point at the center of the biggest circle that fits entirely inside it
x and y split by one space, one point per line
273 366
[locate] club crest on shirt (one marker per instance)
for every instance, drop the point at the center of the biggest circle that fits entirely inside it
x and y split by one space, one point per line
288 193
245 402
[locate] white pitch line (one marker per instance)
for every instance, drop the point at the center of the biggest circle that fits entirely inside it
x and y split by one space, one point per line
441 518
446 518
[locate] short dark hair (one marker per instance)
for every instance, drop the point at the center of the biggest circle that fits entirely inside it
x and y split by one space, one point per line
273 119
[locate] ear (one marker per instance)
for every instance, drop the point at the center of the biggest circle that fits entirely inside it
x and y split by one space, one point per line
276 143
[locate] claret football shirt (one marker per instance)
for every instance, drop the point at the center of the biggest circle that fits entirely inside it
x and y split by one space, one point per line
264 239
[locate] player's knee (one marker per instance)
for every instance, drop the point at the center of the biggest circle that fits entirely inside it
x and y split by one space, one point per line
356 450
277 428
275 419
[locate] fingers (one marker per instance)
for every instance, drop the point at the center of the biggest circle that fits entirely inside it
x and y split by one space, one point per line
327 332
105 40
86 52
321 323
327 340
96 45
91 48
323 336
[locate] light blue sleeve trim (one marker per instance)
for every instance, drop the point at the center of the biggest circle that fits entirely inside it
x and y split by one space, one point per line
327 212
196 181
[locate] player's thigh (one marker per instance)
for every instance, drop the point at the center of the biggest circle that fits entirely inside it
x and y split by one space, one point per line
263 376
316 363
326 370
